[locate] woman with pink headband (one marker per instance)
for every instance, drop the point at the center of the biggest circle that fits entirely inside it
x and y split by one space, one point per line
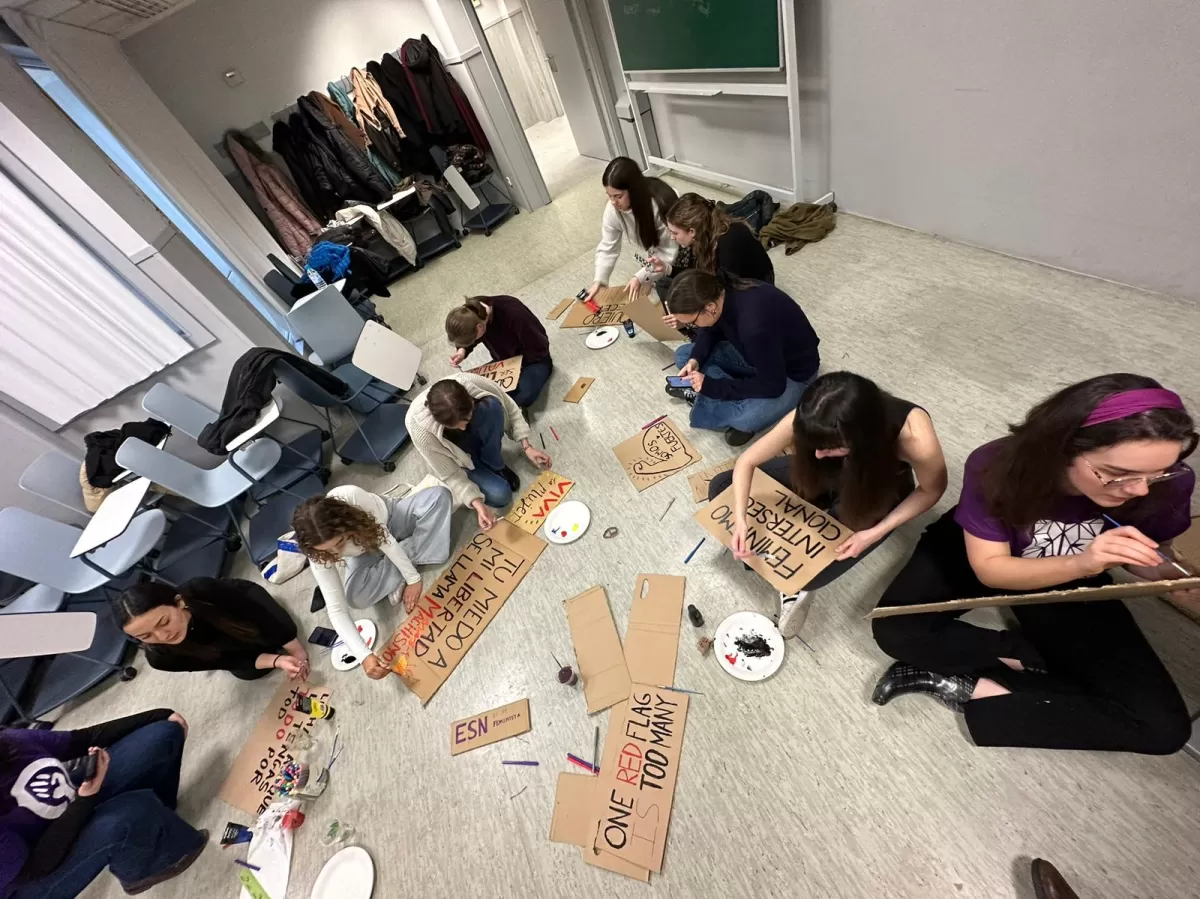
1039 511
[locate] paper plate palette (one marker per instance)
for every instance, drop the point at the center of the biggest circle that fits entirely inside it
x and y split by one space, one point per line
348 875
749 646
567 522
341 658
602 337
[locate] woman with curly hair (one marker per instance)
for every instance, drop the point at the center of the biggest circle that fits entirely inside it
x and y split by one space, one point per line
363 547
713 241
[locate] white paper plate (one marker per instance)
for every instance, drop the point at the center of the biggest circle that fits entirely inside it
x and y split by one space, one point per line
743 626
348 875
602 337
338 653
567 522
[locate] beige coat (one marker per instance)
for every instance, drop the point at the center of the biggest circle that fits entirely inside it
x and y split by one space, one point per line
447 461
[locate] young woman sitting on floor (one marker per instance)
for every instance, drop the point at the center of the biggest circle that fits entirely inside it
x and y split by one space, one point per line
506 327
458 425
363 547
872 460
1038 511
754 353
208 624
637 209
711 240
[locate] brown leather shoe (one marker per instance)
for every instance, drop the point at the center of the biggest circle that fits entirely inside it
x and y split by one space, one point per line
1048 883
140 886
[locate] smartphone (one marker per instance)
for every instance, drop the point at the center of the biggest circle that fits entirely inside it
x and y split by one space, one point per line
673 381
323 636
81 770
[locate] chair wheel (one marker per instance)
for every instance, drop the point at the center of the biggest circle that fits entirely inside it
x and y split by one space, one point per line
233 544
128 673
487 232
422 380
466 232
325 435
345 461
516 212
389 466
324 474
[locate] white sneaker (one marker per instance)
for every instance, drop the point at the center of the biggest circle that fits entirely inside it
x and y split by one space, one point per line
793 612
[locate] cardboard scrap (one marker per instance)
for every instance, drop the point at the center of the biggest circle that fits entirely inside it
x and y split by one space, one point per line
530 511
573 799
652 636
492 726
559 308
250 784
655 453
580 387
1187 546
794 540
506 372
597 649
700 480
612 302
648 316
1079 594
452 614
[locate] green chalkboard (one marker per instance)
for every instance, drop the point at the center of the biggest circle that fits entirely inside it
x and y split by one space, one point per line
697 34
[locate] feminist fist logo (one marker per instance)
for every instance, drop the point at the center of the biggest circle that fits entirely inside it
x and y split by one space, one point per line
43 788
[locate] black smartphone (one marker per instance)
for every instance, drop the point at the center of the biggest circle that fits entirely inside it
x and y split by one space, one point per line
323 636
81 770
673 381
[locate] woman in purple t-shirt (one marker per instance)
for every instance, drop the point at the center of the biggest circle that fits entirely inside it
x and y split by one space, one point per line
1038 511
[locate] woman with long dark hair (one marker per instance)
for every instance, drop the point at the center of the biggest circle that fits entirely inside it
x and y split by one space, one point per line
506 327
753 355
1039 510
872 460
208 624
637 208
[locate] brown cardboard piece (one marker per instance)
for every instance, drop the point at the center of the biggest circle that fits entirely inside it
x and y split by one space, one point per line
580 387
1187 546
612 302
700 480
597 649
451 615
655 453
636 792
492 726
573 800
559 308
648 315
530 511
250 784
1079 594
800 539
505 372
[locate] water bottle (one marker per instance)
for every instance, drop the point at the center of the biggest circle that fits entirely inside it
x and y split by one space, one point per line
314 276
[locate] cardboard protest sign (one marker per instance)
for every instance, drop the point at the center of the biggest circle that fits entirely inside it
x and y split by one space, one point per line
506 372
580 387
492 726
530 511
648 316
559 308
794 540
612 302
451 615
655 453
637 791
1079 594
700 480
250 784
597 649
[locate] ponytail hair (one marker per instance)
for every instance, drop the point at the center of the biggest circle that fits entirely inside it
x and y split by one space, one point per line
462 322
711 222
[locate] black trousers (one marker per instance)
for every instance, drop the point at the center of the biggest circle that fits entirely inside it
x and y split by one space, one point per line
1104 688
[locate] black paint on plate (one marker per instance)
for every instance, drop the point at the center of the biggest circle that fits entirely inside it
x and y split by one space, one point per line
753 645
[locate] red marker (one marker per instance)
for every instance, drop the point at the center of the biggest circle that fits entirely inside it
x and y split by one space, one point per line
554 432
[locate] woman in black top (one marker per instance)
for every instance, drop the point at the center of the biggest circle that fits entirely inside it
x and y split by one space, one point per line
209 625
713 241
854 452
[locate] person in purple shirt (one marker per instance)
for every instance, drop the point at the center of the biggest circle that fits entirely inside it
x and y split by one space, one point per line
506 327
56 837
1039 511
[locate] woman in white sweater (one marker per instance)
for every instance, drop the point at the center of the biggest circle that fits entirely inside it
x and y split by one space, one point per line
637 209
363 547
457 425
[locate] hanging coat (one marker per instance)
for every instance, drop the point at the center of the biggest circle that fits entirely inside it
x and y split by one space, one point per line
444 106
330 177
366 184
292 221
344 122
414 147
342 99
284 143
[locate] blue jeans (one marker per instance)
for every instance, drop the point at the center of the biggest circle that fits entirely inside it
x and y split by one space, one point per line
748 415
482 444
531 383
134 831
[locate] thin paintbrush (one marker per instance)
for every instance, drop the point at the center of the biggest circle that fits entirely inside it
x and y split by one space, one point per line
1162 555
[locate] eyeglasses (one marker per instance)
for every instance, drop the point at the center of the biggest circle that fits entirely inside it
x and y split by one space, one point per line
1173 472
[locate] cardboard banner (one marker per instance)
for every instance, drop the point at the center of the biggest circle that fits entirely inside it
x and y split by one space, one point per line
612 302
648 316
506 372
578 389
492 726
530 511
559 308
458 607
637 791
1079 594
655 453
794 540
597 649
272 746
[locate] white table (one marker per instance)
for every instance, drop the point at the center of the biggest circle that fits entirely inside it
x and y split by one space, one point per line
385 355
28 634
267 417
113 517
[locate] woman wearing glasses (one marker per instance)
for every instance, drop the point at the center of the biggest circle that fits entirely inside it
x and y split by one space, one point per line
1039 511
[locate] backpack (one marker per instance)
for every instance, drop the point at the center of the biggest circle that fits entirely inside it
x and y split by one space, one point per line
755 209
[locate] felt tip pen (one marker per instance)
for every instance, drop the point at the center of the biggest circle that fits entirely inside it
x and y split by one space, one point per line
693 552
238 861
587 766
651 424
534 764
1162 555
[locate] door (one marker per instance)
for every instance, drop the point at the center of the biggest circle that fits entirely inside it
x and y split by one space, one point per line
571 75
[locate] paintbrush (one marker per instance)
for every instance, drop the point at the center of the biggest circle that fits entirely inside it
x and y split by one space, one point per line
693 552
1162 555
667 509
596 750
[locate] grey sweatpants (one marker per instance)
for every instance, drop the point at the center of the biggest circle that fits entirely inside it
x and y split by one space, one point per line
420 523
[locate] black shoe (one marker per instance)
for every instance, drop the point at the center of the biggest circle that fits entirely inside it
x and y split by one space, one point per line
140 886
511 477
953 690
682 393
734 437
695 617
318 600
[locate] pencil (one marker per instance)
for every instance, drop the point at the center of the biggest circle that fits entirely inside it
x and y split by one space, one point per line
651 424
554 432
693 552
1162 555
519 763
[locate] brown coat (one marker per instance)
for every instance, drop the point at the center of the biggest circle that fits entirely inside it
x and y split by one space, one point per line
335 114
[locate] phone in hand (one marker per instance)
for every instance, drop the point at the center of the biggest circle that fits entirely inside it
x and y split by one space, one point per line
322 636
81 770
673 381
